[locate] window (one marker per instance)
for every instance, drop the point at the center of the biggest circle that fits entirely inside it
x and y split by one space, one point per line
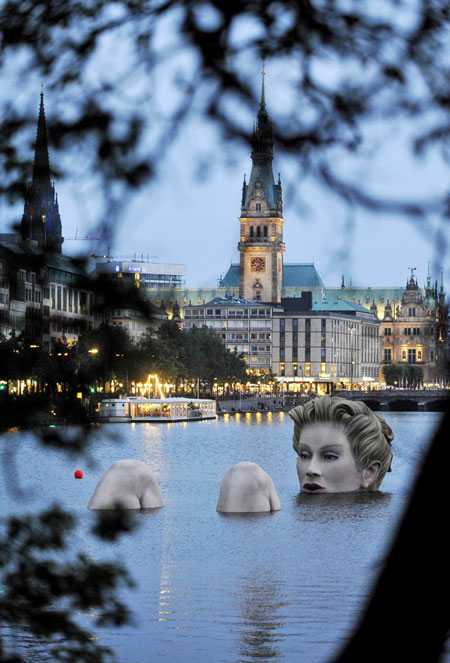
307 368
282 322
251 231
411 355
258 231
416 331
258 207
407 331
295 370
387 354
282 369
412 312
265 231
387 331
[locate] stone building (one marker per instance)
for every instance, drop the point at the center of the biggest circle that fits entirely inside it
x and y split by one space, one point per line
261 222
44 295
47 297
416 330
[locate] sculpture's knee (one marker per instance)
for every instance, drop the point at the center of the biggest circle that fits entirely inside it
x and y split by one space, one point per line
127 484
246 488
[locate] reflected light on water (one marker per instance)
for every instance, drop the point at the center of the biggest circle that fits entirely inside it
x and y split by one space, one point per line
260 599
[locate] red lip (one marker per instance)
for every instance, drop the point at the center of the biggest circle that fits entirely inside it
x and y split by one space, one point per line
312 488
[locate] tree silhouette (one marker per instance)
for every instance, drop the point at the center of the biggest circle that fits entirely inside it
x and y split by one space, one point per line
353 65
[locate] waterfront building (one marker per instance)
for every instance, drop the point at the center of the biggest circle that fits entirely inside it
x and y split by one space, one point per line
136 323
304 342
46 298
415 331
332 339
44 295
323 344
244 327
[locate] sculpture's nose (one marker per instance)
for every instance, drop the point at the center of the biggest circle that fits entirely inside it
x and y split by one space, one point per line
314 468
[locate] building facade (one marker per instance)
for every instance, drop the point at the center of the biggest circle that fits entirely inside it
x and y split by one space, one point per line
416 331
243 327
143 274
44 295
329 345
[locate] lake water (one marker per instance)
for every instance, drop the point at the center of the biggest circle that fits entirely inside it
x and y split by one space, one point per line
224 588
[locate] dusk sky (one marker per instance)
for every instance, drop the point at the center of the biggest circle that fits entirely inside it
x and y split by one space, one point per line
188 213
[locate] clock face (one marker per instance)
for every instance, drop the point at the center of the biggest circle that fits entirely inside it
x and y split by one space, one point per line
258 264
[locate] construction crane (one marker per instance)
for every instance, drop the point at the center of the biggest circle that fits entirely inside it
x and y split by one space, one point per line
82 239
133 257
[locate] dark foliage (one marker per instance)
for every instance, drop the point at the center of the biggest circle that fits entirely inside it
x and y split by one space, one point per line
44 587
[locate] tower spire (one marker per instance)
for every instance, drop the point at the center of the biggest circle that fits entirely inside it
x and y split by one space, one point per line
262 105
261 243
41 167
41 221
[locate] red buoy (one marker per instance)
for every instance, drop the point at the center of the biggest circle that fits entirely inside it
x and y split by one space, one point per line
78 474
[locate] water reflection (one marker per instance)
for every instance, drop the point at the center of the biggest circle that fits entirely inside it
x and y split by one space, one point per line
352 506
261 599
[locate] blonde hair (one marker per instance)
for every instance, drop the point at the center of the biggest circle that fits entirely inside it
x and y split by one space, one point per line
369 435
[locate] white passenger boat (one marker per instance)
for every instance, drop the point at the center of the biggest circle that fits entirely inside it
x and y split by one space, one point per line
162 410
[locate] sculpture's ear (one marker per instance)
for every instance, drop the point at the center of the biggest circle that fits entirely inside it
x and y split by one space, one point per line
370 473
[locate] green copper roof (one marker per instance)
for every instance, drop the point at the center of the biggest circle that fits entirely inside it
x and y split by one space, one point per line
300 275
341 305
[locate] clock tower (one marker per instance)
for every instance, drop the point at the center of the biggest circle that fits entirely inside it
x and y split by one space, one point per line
261 241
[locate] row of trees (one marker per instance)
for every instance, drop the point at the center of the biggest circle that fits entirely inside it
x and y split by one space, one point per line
107 353
405 375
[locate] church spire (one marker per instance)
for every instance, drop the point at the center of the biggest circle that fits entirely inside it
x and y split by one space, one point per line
41 167
41 221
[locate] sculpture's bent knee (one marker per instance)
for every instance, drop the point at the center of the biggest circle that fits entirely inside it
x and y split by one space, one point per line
127 484
247 488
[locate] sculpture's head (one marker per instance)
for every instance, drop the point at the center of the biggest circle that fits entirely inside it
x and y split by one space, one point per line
341 445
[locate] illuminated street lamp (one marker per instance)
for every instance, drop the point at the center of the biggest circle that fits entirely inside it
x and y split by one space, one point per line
93 351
